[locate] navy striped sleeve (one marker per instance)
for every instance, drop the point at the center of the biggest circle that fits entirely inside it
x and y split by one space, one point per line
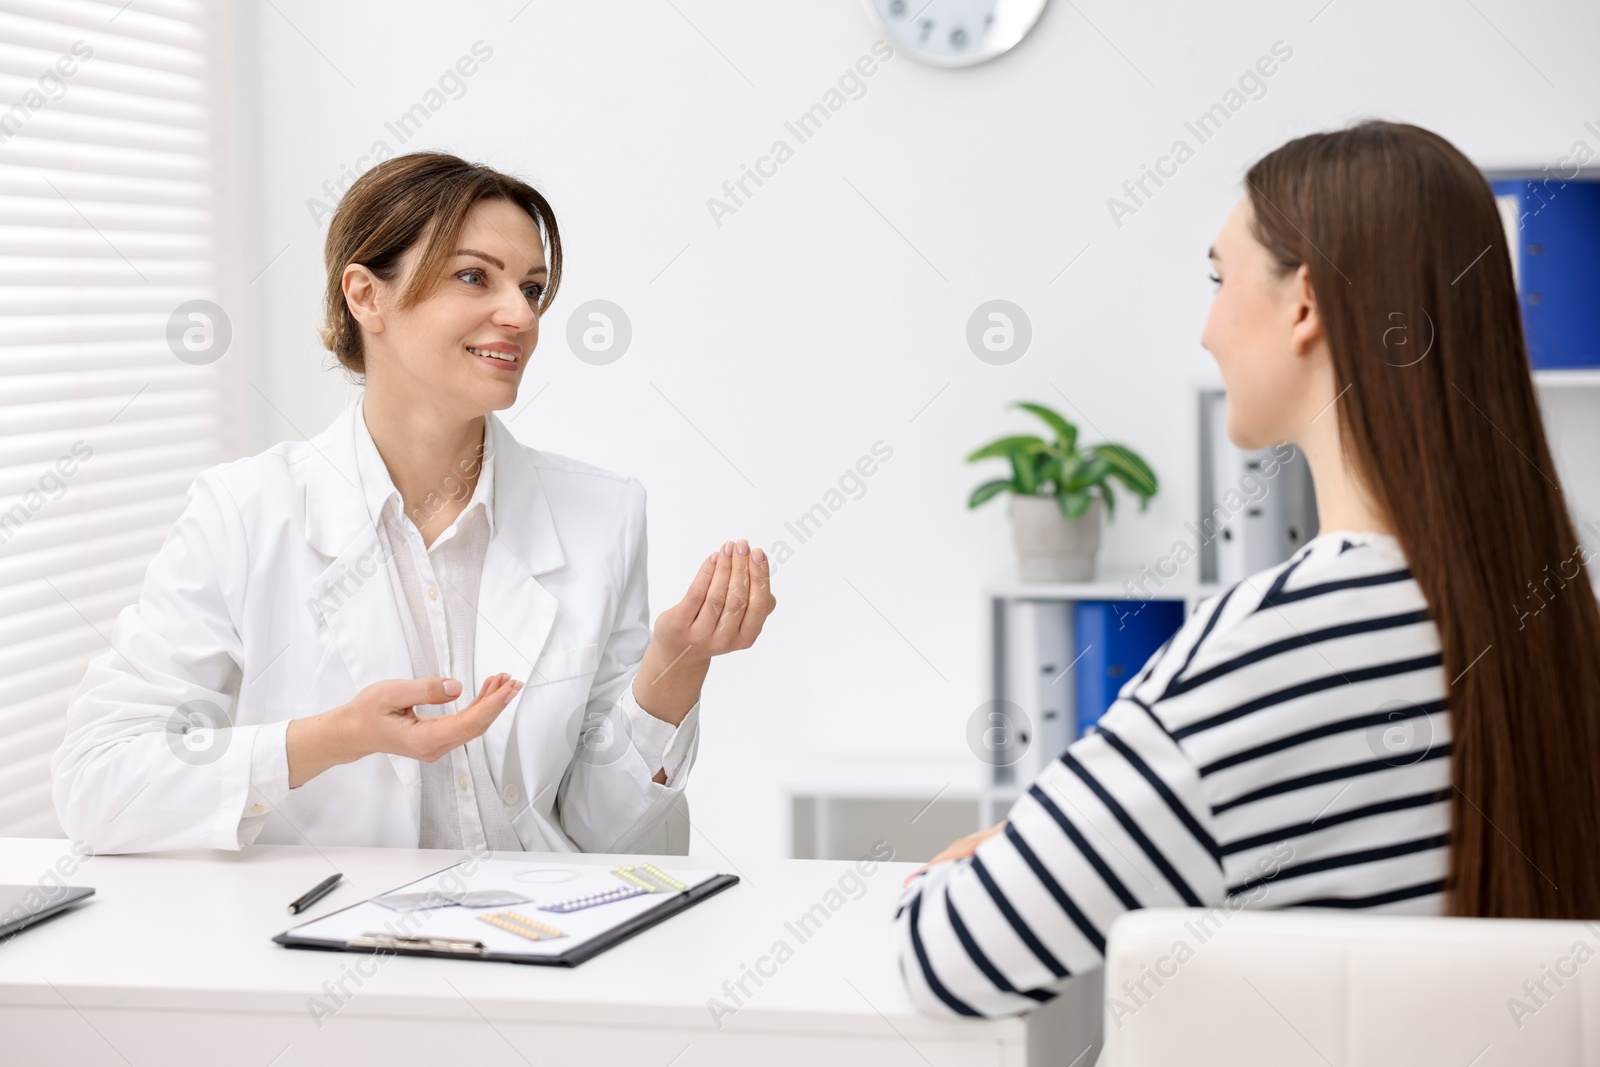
1117 822
1287 747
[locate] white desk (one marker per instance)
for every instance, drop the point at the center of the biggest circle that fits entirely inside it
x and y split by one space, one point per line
172 963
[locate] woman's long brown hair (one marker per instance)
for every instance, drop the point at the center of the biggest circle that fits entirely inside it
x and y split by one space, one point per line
1409 264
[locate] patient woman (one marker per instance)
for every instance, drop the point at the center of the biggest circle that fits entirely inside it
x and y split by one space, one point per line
1404 717
412 629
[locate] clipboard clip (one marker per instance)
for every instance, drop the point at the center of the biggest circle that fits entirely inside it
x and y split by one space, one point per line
460 946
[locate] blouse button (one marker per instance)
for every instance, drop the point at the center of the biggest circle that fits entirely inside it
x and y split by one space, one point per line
433 593
511 793
462 782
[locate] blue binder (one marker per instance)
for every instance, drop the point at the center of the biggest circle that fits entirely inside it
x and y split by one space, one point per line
1114 639
1557 249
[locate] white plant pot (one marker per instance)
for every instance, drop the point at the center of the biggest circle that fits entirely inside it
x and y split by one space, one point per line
1051 547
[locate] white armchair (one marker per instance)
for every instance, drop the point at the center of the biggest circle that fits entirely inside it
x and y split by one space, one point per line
1215 986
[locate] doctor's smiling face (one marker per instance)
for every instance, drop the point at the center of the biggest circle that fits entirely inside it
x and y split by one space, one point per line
462 347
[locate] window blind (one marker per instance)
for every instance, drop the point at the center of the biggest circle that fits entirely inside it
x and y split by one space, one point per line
107 200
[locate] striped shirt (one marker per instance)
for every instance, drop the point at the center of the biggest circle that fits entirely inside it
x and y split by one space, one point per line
1287 747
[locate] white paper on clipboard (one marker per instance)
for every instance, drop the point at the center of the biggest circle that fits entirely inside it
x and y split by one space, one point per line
543 883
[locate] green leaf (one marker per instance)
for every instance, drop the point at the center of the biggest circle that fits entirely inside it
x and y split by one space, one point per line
987 491
1132 471
1073 505
1091 471
1066 433
1049 470
1067 468
1110 499
1045 465
1023 471
1004 445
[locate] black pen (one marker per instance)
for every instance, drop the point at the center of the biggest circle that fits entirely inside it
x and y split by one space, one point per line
322 889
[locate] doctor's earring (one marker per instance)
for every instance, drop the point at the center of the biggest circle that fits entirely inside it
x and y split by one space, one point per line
198 732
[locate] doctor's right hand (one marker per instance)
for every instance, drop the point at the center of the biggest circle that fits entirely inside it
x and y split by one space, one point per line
382 718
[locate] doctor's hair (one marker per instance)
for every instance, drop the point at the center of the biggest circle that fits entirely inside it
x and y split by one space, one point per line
422 196
1398 229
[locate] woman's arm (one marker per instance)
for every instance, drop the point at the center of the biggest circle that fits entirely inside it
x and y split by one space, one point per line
996 932
623 782
724 610
126 777
995 924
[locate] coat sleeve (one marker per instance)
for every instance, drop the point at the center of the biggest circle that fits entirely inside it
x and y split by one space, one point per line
151 759
608 800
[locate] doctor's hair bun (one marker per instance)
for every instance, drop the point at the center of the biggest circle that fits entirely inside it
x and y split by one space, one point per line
422 196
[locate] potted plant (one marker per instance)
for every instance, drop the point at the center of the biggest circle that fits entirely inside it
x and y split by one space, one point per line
1058 493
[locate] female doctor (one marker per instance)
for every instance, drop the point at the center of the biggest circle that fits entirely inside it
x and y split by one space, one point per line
410 630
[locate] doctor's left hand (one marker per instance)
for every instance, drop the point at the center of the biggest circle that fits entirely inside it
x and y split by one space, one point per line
726 605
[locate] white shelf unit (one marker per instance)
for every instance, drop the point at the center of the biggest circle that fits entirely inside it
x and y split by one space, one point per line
1003 783
1568 378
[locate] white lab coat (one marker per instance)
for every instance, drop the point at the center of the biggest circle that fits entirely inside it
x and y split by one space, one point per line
271 599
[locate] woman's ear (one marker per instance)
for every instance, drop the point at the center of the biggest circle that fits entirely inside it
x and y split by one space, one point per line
1305 320
361 292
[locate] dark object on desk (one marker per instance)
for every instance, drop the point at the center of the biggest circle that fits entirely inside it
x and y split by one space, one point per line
24 905
316 893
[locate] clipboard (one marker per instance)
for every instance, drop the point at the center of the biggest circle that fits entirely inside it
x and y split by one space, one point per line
451 931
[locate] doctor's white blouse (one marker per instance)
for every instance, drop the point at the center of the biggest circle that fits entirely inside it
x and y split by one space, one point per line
293 579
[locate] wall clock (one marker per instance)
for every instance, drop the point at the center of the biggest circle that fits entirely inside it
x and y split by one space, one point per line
955 33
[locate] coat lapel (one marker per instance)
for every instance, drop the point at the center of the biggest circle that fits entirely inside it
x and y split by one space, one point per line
354 598
515 612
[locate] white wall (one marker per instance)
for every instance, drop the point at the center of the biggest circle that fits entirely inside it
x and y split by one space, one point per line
805 328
